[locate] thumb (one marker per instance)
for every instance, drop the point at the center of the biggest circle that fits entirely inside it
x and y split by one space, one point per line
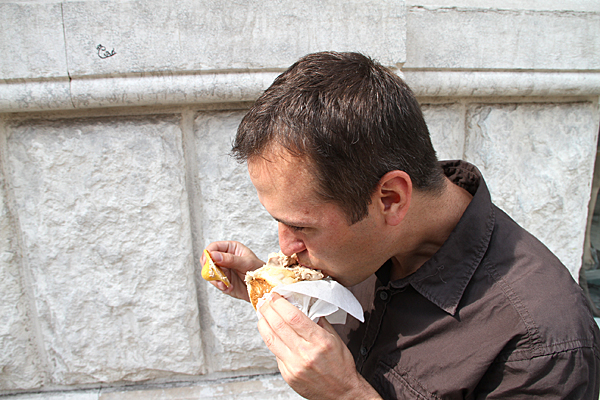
323 323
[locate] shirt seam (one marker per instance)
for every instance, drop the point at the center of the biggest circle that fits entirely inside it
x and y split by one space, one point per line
581 347
402 374
532 330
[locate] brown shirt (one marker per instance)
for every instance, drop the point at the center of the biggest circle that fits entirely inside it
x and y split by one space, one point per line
493 314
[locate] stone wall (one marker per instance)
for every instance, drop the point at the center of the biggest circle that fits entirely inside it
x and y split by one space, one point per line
116 119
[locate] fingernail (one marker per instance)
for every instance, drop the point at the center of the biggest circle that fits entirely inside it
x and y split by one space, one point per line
217 257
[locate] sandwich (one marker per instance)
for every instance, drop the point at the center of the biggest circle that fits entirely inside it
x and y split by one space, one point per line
211 272
279 270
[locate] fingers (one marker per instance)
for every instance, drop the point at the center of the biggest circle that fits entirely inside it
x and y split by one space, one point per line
216 250
240 264
226 246
288 333
233 255
323 323
311 357
274 329
287 319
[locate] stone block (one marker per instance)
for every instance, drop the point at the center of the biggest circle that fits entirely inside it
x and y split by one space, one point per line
32 41
230 210
446 123
477 38
200 35
538 160
21 366
103 213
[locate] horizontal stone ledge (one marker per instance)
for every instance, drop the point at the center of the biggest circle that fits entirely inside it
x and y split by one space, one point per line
465 83
241 388
157 89
166 89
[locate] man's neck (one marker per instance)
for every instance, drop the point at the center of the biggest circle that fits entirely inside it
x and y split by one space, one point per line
429 223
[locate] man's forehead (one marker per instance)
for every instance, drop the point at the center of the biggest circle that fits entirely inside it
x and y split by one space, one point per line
280 161
285 177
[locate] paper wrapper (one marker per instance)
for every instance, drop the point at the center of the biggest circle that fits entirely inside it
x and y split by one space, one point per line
324 298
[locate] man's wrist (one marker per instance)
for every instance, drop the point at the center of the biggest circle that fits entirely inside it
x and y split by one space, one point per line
362 391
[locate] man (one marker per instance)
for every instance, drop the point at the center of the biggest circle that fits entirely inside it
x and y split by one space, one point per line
460 302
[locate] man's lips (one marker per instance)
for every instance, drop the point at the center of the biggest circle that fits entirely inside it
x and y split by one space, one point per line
306 265
303 264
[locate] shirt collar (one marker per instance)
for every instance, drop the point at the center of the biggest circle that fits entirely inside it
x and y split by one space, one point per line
445 276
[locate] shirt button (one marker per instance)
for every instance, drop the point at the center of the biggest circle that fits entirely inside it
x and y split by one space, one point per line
384 295
363 351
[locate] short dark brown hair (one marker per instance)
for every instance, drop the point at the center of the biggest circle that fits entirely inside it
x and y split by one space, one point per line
351 118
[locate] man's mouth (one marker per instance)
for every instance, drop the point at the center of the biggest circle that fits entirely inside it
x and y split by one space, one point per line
309 265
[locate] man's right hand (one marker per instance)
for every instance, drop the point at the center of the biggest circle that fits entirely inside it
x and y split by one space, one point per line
235 260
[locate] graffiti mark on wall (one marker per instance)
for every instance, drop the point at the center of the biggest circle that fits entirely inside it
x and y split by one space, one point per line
103 53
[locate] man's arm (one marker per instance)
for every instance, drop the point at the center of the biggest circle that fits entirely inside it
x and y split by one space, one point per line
312 358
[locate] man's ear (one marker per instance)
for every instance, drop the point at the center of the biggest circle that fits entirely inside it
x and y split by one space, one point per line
393 196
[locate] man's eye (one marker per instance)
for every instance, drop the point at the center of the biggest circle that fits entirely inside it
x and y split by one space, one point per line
296 228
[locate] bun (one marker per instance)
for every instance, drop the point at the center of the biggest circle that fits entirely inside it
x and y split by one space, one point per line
279 270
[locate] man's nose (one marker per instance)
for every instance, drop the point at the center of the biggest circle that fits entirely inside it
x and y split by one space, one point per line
289 242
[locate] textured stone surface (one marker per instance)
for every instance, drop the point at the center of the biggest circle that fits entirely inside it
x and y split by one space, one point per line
264 387
538 160
104 218
230 211
490 83
148 48
70 395
502 39
446 123
538 5
20 364
244 388
169 89
32 40
35 95
208 34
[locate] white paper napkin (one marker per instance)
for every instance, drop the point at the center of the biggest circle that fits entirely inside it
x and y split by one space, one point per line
324 298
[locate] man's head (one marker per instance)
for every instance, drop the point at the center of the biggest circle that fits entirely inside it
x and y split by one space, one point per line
351 120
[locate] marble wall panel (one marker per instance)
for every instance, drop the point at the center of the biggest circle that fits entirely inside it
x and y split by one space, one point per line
103 213
446 123
32 41
21 364
193 35
472 38
538 160
230 211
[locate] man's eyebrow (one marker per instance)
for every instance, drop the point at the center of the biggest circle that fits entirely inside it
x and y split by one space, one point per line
288 223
